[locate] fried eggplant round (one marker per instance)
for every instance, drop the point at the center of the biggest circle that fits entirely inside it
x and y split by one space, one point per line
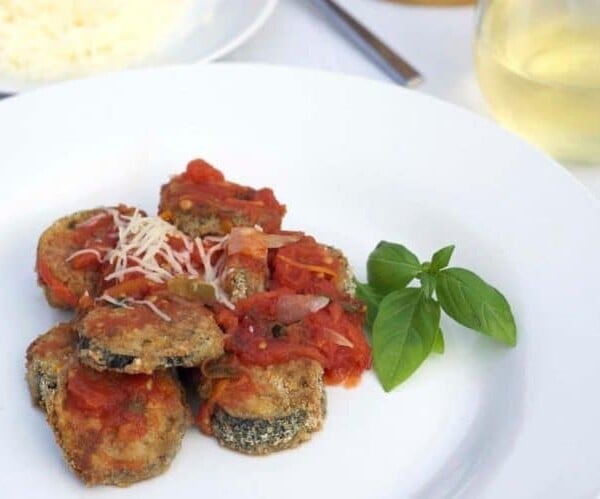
46 356
201 201
62 284
268 409
136 339
117 429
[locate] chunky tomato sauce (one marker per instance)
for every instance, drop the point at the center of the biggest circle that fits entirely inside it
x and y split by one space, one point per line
203 191
97 233
118 400
308 267
332 336
59 289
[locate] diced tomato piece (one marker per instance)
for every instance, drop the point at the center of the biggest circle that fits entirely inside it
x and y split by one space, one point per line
85 261
200 171
58 288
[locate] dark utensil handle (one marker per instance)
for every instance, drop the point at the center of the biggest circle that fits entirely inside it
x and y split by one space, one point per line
391 63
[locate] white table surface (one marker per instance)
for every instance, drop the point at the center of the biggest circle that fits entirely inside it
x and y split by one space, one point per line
438 41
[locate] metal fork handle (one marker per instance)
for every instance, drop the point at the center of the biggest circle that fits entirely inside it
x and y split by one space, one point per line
381 54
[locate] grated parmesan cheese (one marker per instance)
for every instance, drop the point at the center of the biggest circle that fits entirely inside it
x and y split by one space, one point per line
154 309
86 251
127 302
141 240
212 272
55 39
144 247
114 301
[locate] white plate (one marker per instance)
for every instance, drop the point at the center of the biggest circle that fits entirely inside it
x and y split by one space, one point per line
210 30
356 162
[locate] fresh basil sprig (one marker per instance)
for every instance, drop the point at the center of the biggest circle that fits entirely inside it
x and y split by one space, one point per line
472 302
403 334
391 266
405 321
371 297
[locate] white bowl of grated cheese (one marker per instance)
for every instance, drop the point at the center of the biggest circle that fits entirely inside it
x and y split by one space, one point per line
44 41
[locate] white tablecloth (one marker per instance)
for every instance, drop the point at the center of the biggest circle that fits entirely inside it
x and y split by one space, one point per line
438 41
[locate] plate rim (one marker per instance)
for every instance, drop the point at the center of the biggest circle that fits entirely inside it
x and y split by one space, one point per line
252 29
566 177
213 63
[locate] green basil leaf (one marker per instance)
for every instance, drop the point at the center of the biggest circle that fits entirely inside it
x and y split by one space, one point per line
427 283
391 266
441 258
439 346
403 335
371 298
472 302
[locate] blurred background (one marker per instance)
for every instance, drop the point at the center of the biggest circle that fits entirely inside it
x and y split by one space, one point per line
532 65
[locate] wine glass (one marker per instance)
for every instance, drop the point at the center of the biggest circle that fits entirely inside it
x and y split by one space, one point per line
538 65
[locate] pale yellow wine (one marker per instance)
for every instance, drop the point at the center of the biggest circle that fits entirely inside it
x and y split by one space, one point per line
542 80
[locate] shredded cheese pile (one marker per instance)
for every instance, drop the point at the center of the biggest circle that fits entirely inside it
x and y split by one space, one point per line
141 241
53 39
143 248
144 240
212 273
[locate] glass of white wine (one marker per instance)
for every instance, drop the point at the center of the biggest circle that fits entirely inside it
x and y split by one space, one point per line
538 64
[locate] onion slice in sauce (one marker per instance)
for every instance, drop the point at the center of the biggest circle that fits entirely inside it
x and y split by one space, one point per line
338 338
279 240
248 241
253 242
294 308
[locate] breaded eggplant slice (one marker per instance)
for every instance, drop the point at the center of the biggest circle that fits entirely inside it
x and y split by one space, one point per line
246 266
62 284
136 339
270 409
117 429
243 276
46 356
200 202
309 267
